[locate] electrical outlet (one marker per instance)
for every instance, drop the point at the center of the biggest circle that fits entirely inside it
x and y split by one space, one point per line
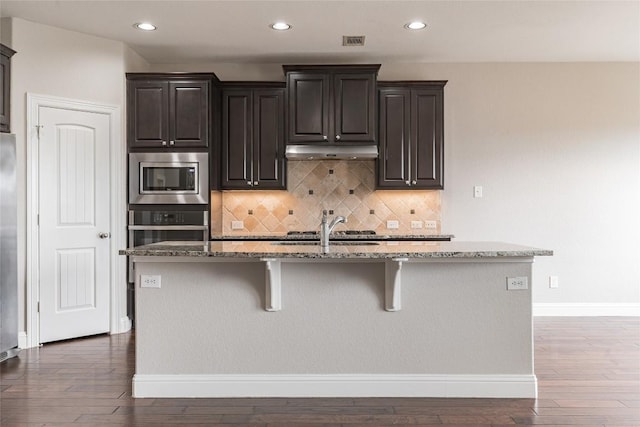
431 225
553 282
237 225
148 281
517 283
477 191
416 224
393 224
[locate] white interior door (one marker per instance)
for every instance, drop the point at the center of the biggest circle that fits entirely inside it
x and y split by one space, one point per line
74 254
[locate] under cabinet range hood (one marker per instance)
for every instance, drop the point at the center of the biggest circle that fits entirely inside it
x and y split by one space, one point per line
331 152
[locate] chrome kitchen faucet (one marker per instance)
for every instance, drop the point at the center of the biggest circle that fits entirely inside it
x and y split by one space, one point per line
327 228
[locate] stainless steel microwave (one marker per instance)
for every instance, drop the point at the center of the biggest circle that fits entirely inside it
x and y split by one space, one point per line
168 178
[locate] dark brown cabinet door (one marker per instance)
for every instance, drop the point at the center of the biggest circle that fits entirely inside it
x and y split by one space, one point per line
426 135
5 88
308 102
172 114
355 107
147 113
394 136
189 114
268 139
411 136
253 139
237 112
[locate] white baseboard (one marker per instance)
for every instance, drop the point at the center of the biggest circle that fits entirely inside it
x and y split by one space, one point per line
586 309
125 325
497 386
23 339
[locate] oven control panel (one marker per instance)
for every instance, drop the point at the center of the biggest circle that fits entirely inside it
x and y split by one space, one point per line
167 217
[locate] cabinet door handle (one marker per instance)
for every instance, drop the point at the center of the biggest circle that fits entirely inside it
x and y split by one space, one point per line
325 137
164 143
172 142
408 182
255 183
248 182
337 137
414 182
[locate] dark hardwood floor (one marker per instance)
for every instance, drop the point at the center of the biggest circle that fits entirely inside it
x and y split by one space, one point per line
588 371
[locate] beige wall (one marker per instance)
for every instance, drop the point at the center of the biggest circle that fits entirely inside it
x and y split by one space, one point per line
133 62
55 62
5 31
556 147
228 71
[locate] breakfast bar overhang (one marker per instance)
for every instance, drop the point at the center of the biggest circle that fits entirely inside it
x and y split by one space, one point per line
395 319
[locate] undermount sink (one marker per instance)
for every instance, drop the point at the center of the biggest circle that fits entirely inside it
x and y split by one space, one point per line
331 243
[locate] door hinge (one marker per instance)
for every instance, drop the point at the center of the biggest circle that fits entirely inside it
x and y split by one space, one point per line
38 306
38 130
38 220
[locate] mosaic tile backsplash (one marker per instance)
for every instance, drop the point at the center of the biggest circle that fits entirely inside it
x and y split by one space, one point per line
341 187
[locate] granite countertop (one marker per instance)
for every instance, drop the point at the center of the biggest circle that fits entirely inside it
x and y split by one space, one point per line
349 250
339 236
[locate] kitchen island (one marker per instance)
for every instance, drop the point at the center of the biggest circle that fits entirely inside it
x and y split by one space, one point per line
260 318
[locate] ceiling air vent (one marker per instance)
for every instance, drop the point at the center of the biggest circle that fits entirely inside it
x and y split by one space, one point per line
352 40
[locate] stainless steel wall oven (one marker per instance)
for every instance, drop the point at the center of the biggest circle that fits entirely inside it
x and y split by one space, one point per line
154 224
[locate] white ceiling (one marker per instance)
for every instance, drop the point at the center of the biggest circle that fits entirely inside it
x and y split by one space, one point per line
192 32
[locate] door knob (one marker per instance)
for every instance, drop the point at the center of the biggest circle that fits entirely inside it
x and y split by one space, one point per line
103 235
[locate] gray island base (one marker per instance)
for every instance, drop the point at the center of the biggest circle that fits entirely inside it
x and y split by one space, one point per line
409 319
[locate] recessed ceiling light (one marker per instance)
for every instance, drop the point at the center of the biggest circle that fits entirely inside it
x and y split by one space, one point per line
280 26
144 26
415 25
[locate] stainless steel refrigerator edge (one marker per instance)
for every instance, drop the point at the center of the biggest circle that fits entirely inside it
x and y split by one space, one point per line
8 248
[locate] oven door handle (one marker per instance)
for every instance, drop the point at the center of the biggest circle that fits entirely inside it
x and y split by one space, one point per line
167 227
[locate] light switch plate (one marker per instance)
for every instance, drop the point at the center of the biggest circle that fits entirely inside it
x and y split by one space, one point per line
416 224
237 225
477 191
393 224
431 225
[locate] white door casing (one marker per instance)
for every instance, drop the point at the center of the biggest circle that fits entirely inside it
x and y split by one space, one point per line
84 282
74 213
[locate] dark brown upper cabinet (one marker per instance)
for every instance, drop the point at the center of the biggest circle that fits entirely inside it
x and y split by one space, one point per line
411 135
5 86
331 103
253 136
169 110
